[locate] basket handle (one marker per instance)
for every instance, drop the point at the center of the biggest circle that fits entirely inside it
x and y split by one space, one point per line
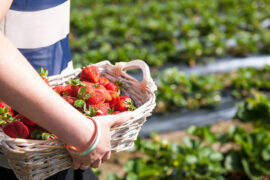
147 81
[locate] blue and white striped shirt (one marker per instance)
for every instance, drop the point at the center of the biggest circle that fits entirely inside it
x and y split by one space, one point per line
40 30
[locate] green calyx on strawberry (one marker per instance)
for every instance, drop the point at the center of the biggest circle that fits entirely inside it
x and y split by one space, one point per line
16 129
5 115
110 110
124 103
75 82
81 105
84 92
44 74
90 74
91 111
119 85
41 134
4 108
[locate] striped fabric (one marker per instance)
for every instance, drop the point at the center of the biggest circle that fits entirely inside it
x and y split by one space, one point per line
40 30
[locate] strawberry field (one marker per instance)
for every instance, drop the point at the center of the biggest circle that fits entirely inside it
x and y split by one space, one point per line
187 33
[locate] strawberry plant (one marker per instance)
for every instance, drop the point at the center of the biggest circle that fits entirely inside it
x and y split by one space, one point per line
255 109
180 90
177 89
160 31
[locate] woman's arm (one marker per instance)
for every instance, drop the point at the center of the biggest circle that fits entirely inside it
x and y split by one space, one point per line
4 7
23 89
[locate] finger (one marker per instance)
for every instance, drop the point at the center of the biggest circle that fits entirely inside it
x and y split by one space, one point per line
106 157
120 118
75 164
84 166
96 164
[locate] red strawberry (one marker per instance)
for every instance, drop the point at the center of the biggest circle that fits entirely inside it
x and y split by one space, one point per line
115 98
70 100
106 93
89 84
90 73
44 75
116 112
111 86
4 105
25 120
97 97
68 90
59 89
89 87
103 81
125 103
16 129
46 80
102 109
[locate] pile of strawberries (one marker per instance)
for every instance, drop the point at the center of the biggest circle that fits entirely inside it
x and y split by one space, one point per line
92 94
16 125
95 95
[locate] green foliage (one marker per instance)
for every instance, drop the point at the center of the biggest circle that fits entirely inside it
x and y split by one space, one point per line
176 89
255 109
195 158
159 31
247 79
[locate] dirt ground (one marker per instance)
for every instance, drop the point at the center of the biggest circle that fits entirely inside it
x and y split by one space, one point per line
118 159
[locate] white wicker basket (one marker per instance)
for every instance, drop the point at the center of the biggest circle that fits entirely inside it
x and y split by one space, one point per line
39 159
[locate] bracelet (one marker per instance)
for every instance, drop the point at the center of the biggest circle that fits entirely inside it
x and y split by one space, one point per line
94 141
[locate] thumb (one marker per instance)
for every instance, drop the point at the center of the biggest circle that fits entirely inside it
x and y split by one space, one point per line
120 118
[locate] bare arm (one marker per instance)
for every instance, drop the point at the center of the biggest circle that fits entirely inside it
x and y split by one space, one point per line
5 4
23 89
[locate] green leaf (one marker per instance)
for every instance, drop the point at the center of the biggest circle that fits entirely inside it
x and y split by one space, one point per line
188 142
75 82
79 103
233 162
191 159
250 170
134 165
132 176
112 176
82 92
110 110
192 129
216 156
43 72
266 153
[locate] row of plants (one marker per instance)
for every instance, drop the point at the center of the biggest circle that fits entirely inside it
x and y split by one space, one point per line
176 89
161 31
204 155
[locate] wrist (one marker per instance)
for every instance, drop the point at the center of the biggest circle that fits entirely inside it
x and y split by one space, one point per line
86 135
90 145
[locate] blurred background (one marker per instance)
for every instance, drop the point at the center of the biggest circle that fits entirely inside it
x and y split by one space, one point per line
210 60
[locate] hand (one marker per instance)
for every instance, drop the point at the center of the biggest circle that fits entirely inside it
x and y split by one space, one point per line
102 152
